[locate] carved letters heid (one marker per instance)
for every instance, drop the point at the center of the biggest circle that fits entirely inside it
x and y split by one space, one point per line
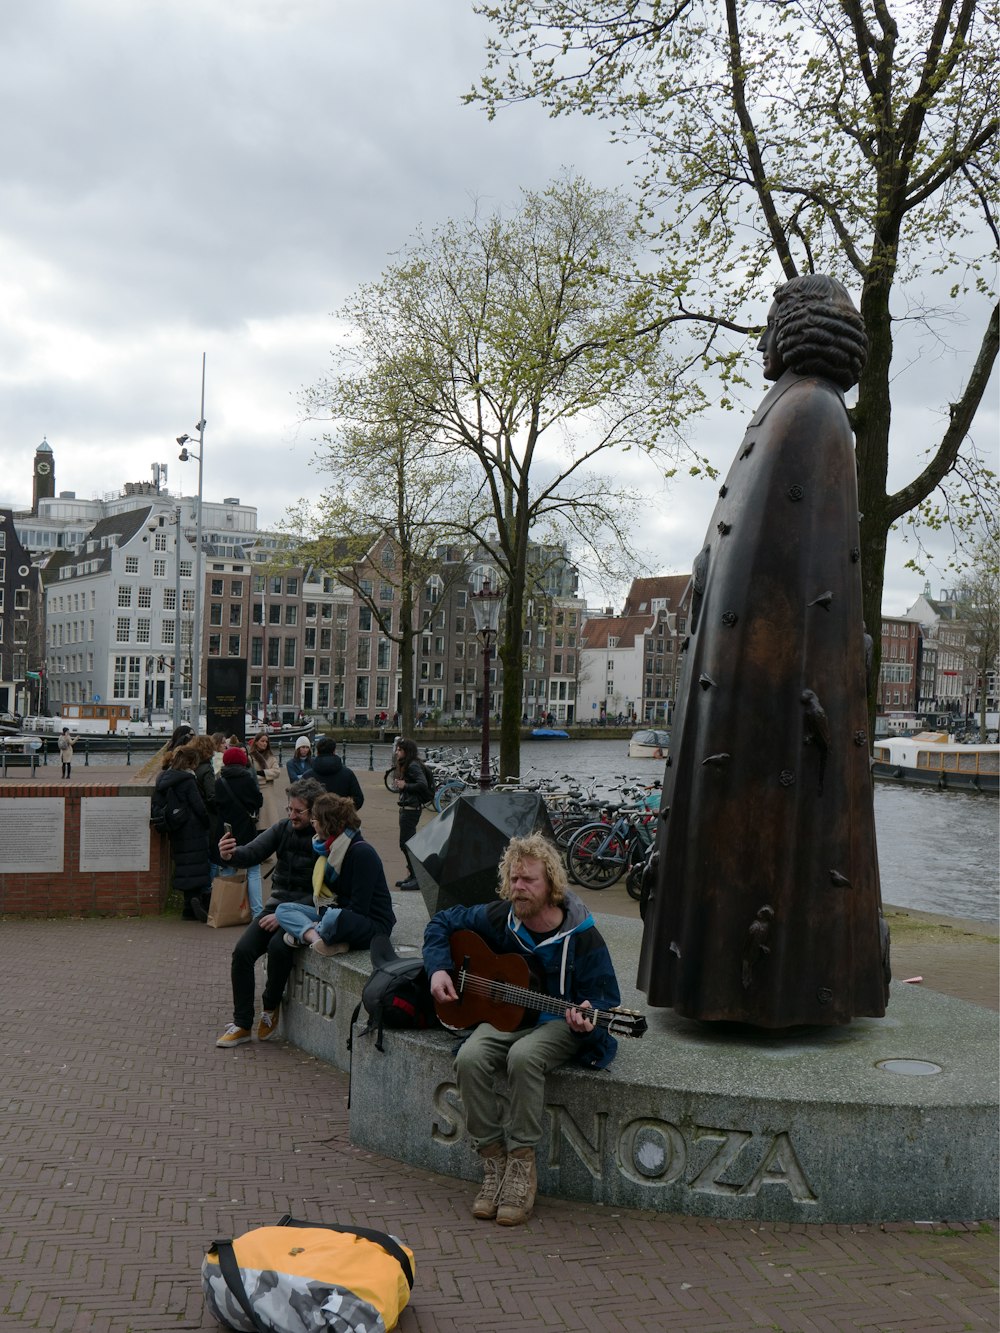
655 1152
314 994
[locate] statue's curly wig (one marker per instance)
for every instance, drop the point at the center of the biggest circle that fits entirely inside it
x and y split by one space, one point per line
818 331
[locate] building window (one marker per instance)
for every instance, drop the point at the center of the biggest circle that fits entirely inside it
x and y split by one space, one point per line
309 666
274 614
215 613
235 613
310 639
291 614
292 587
234 645
214 645
142 629
118 683
290 645
187 599
145 597
256 652
131 564
364 654
236 588
125 595
364 618
169 599
160 542
361 692
122 632
273 652
215 588
159 569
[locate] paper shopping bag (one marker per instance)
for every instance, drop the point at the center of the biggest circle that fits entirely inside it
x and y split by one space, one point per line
230 905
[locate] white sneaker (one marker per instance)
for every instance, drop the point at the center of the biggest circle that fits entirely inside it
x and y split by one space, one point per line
291 941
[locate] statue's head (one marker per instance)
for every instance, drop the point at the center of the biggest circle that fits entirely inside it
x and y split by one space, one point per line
813 328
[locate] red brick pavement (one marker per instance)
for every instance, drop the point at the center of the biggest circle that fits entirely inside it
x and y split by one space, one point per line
129 1142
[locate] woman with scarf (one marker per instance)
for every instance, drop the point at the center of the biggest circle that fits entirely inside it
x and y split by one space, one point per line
351 899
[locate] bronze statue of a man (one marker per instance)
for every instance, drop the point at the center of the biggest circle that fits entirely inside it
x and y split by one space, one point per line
765 908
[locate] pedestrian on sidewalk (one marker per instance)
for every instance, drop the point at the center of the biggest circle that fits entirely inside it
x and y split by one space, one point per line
176 788
290 842
66 752
336 777
538 918
413 785
238 801
351 900
300 764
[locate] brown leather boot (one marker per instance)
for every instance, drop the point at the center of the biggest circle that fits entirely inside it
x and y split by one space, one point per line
494 1165
517 1193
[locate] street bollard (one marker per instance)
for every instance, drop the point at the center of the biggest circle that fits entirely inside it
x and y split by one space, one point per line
371 759
86 754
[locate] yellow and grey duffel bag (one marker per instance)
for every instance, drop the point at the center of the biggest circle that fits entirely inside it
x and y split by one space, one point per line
308 1277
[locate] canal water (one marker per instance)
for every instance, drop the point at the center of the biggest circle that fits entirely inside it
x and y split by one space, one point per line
938 850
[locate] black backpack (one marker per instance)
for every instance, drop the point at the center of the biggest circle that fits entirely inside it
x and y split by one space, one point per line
167 816
428 778
396 995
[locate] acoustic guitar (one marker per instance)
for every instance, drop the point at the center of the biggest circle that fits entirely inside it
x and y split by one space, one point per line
506 990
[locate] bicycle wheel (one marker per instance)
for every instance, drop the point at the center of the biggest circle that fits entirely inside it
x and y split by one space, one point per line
389 778
448 793
595 857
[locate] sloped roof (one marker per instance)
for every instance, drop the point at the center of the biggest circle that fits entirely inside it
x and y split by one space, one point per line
663 587
626 629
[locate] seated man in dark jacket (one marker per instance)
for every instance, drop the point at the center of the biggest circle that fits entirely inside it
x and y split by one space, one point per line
351 900
290 841
336 777
539 918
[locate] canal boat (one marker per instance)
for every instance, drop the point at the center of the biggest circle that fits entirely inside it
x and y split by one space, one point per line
649 744
934 759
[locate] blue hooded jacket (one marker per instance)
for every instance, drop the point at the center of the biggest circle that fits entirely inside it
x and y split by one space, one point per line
574 959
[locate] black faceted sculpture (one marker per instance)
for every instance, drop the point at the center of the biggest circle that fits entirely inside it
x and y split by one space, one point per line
455 857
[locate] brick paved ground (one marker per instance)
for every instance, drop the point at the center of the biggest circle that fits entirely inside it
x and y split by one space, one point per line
128 1142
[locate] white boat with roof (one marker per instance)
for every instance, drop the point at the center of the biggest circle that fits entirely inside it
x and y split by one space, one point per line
936 759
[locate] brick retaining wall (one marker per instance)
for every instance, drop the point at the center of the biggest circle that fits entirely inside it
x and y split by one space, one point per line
72 891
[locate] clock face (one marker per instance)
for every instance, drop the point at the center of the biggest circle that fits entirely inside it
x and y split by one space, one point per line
43 469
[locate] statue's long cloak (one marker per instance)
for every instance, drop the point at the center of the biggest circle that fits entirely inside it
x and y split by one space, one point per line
766 909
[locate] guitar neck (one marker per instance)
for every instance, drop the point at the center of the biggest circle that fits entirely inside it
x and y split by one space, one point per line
536 1001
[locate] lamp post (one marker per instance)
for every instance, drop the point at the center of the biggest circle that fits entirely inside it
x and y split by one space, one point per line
184 455
486 610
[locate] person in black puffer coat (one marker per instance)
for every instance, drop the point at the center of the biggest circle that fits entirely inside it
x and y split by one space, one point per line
336 777
189 842
238 801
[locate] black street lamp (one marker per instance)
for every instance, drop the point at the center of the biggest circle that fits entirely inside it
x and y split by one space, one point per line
486 610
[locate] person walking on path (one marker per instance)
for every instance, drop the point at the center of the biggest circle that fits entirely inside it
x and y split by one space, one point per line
238 802
351 900
300 764
336 777
177 790
414 791
265 765
66 752
290 842
537 917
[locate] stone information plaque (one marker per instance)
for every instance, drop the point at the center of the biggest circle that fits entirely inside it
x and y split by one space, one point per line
32 831
114 833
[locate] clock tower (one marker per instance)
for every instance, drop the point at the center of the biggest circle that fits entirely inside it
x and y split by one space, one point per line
44 475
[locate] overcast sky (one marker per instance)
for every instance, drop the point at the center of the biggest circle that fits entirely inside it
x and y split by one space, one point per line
188 176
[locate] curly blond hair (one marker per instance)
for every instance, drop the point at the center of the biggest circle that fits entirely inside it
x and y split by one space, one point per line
534 847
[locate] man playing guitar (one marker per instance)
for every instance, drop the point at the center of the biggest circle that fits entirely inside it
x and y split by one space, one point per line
540 919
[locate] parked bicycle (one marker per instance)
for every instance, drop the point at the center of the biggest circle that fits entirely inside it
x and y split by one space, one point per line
599 854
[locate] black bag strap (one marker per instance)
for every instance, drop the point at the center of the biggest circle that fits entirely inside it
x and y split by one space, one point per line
230 1271
381 1238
